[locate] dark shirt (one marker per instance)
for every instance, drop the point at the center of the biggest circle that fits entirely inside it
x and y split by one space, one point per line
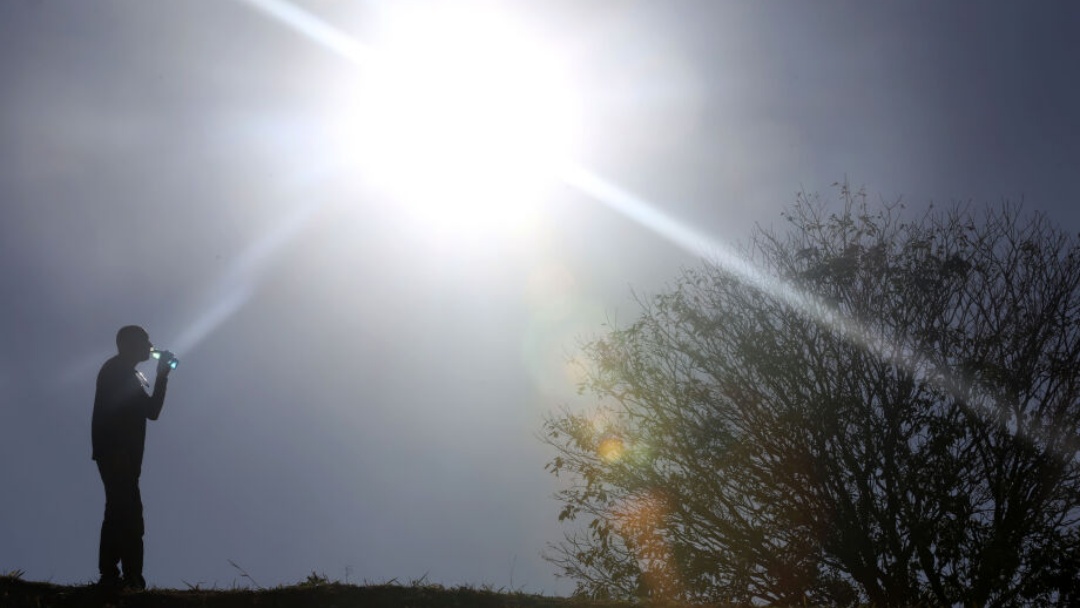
121 409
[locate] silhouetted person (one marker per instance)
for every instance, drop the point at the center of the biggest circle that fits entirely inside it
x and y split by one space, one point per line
121 409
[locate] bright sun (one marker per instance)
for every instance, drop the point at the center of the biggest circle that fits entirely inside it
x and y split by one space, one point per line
464 119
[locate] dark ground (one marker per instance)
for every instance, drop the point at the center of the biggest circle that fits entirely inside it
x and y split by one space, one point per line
17 593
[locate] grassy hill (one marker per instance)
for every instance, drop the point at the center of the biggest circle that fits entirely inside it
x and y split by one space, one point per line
315 593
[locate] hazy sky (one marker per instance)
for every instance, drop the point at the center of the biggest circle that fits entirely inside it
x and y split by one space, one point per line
359 396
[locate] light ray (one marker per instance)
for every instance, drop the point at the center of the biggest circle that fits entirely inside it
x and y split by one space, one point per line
312 28
240 281
237 285
696 243
638 210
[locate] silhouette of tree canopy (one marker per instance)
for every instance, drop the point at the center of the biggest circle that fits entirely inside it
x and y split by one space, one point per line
888 413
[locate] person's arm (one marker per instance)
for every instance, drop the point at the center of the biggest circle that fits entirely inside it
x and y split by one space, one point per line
157 399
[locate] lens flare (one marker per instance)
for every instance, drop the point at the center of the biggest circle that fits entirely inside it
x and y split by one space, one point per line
641 520
611 449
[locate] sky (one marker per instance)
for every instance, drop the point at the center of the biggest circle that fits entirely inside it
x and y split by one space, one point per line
360 392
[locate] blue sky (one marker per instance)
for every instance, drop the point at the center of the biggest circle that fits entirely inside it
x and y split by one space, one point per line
358 396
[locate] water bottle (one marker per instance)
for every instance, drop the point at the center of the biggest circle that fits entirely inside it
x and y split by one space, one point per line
170 359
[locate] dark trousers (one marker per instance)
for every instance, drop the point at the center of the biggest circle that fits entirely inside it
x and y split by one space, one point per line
122 528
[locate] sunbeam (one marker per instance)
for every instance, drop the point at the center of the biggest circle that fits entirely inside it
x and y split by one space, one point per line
696 243
236 286
312 27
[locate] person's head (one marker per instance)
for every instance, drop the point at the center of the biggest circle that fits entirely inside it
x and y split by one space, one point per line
133 343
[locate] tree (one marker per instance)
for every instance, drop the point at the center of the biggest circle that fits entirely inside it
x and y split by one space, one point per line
887 412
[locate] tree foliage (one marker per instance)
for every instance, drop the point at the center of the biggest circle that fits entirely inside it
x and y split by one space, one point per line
889 413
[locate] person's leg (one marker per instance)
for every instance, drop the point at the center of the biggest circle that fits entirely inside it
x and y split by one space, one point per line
131 528
109 547
133 543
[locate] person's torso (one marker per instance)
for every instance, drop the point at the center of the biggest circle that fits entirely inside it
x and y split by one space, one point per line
119 418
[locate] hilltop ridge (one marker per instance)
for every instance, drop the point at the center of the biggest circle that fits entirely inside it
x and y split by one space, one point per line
316 593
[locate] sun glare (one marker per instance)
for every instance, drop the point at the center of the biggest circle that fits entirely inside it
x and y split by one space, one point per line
463 118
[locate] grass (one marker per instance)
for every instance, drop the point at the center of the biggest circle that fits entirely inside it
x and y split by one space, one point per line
314 592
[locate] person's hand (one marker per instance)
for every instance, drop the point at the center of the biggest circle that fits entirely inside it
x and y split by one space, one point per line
163 367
